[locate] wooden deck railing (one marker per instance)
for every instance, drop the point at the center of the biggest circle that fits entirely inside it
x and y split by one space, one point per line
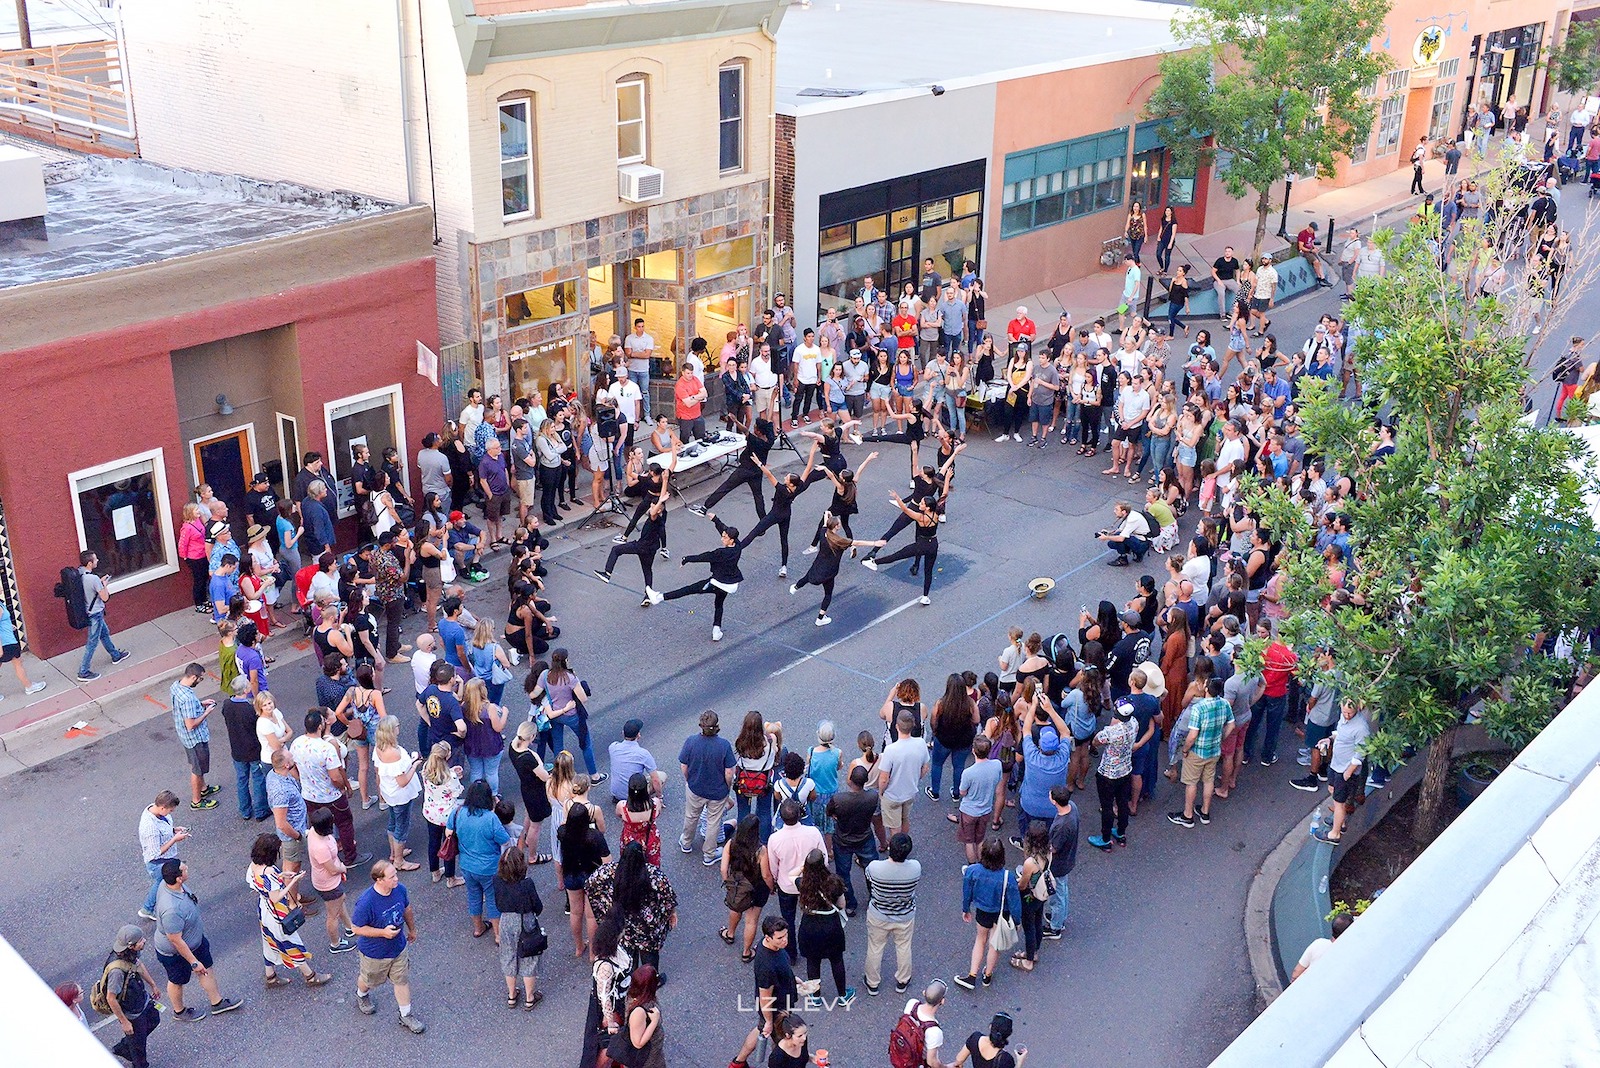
69 95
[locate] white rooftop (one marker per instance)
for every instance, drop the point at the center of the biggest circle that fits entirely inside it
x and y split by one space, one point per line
845 53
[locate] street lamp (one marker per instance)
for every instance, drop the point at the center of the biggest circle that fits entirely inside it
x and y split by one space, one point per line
1283 219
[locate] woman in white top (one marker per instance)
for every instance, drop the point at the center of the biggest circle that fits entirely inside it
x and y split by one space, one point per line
1012 655
398 785
388 517
271 730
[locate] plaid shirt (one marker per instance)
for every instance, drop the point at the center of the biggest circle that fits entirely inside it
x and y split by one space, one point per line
1210 716
186 706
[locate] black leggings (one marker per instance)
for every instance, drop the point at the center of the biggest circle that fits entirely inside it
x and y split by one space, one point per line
844 525
639 512
646 553
900 523
200 581
571 475
766 523
924 552
435 840
1116 795
742 475
806 397
703 586
1089 425
827 591
1032 925
836 962
549 487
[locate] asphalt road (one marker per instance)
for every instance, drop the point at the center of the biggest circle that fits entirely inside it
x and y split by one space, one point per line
1153 968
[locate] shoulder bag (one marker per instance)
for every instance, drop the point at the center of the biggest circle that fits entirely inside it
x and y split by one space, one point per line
1004 935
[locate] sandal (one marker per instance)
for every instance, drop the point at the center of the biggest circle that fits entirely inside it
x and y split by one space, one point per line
747 957
542 858
319 980
481 931
407 865
1133 480
275 981
951 816
529 1003
725 936
511 1001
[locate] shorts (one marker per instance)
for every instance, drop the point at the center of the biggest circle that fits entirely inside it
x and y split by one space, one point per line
902 391
199 757
1133 436
292 851
856 404
1041 413
985 918
332 895
1347 273
179 970
836 406
879 391
1186 455
1259 304
432 580
971 830
763 399
1198 770
375 971
9 652
573 880
1345 791
1235 739
497 506
528 492
895 814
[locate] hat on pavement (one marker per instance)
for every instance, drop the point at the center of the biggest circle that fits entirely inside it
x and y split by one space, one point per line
1123 710
1155 683
457 515
1049 741
1130 617
256 532
128 936
259 476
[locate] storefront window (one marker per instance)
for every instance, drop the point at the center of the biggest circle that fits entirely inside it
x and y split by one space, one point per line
715 317
951 245
658 266
123 517
533 369
734 255
841 275
537 305
873 229
375 420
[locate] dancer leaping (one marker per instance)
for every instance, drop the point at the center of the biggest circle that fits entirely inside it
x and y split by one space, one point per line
652 537
757 445
825 568
725 575
784 491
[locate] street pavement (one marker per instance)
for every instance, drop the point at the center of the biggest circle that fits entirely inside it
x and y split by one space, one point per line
1153 967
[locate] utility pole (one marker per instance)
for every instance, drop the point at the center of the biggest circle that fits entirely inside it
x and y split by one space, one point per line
23 29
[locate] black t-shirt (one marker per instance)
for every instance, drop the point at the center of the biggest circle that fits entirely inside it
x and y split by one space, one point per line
1226 267
774 971
1127 654
262 506
1001 1059
780 1059
755 451
1057 342
852 812
1146 707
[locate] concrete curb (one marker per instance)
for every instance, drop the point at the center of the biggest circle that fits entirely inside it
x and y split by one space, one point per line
1258 911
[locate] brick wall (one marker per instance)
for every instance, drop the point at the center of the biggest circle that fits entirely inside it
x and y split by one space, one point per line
783 197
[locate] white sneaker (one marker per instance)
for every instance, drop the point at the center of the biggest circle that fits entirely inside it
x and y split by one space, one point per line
923 600
716 634
793 589
810 550
783 571
652 596
664 554
870 564
855 439
618 539
1003 437
36 687
823 621
1016 437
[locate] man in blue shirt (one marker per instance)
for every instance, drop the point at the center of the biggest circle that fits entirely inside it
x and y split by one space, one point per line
383 922
447 722
224 584
1045 765
1276 388
189 719
467 544
629 758
707 761
316 518
452 635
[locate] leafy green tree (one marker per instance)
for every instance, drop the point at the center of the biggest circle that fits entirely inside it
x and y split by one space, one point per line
1266 89
1577 62
1472 541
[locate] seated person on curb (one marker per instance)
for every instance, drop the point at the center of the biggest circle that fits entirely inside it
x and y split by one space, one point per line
467 545
1131 535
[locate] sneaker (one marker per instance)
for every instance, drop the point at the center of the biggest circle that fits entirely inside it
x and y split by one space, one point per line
618 539
872 991
1180 819
810 550
923 601
88 676
1052 935
698 509
344 946
988 979
783 571
653 597
226 1005
793 589
597 778
1099 843
1205 818
1000 437
967 982
36 687
1016 840
855 439
823 621
1016 437
189 1015
368 803
146 914
203 804
211 789
412 1024
1321 834
664 554
603 576
710 860
685 847
117 658
479 575
899 987
361 861
869 563
931 795
1119 837
716 634
849 996
1309 783
1267 762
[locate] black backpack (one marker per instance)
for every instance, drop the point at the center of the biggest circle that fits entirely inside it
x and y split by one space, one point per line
70 589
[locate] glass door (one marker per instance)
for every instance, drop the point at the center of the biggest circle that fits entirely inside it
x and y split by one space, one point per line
1145 180
226 461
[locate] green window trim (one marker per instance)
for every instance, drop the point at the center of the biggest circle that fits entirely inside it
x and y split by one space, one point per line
1068 180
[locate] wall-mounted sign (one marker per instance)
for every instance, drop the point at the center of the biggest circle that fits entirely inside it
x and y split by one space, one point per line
1429 43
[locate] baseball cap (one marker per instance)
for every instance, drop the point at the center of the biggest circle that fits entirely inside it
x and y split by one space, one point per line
1130 617
1049 740
259 476
855 354
632 728
457 515
1124 710
128 936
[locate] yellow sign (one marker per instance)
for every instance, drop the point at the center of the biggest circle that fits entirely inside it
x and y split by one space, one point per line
1429 43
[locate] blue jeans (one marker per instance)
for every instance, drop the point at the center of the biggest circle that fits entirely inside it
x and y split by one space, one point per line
950 344
1072 422
480 896
958 416
763 810
1264 725
1055 914
400 822
154 868
497 690
250 779
958 763
974 336
100 634
578 723
486 768
1157 451
841 865
642 380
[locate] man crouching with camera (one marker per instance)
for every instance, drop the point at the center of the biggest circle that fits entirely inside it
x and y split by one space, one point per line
1131 535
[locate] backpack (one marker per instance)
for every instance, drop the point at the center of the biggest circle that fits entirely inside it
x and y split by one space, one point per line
782 791
1150 521
908 1042
70 589
99 1000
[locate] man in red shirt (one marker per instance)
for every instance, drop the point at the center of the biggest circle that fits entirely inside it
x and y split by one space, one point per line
1021 328
1306 242
1276 676
688 396
905 327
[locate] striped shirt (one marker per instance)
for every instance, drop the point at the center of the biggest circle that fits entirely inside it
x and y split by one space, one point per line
892 887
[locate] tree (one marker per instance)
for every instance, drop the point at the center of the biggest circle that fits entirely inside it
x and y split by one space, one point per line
1266 89
1472 542
1577 62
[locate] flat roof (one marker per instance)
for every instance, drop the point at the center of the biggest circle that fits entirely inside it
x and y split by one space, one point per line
105 214
846 53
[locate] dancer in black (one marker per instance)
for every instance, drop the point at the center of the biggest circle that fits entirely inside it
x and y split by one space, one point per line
648 484
830 434
784 491
925 549
843 505
748 472
928 485
725 575
825 568
916 421
652 537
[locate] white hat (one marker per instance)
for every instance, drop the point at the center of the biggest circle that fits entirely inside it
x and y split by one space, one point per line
1155 683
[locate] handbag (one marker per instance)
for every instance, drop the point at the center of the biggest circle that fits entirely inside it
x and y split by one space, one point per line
293 920
621 1049
499 674
1004 935
981 324
449 849
740 892
447 569
532 943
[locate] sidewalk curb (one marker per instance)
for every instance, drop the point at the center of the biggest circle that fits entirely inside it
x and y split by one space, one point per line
1258 911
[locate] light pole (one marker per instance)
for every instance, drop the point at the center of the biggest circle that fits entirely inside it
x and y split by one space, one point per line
1283 218
24 31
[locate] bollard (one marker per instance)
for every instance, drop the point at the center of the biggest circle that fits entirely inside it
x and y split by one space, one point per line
1329 246
1149 288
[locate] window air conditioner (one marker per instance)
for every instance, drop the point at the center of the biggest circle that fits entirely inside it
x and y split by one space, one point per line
638 182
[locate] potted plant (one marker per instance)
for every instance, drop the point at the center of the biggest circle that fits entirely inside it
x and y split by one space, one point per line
1475 773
